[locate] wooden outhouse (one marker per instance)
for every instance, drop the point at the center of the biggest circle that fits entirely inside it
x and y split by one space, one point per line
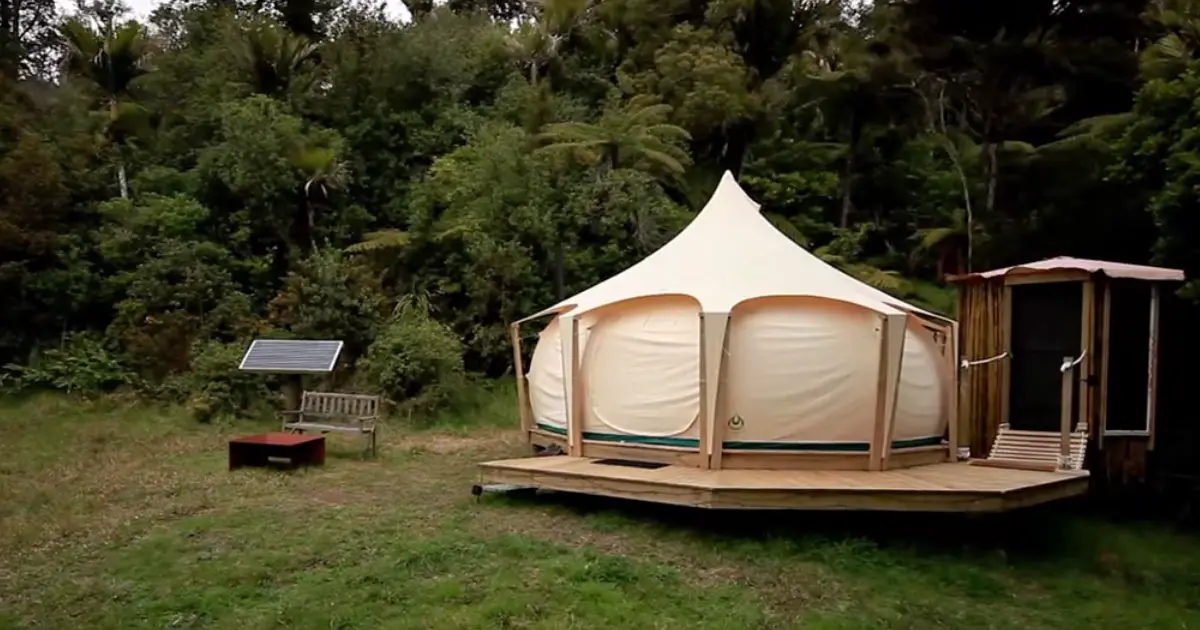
1062 363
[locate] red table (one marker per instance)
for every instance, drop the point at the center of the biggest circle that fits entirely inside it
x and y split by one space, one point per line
258 450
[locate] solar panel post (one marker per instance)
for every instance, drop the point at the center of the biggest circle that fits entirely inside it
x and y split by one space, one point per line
293 389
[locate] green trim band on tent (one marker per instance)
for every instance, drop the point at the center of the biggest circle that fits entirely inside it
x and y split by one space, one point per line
846 447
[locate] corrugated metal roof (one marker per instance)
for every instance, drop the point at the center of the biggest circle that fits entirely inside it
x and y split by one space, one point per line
1067 263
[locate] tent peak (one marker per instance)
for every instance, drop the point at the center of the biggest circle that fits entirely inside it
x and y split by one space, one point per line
730 195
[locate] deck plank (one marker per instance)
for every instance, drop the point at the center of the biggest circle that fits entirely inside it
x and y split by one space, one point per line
951 487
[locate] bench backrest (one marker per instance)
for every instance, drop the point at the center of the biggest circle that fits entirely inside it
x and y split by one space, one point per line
349 405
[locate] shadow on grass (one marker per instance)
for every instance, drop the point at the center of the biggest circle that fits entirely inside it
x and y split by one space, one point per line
1028 532
1068 535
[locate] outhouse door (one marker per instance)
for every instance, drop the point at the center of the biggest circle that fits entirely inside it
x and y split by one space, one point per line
1045 327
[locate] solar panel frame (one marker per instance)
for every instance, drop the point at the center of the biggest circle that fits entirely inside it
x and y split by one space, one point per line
316 356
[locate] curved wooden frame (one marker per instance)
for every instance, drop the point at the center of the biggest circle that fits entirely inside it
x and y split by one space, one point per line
880 454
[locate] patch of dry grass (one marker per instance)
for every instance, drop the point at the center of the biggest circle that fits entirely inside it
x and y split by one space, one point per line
124 516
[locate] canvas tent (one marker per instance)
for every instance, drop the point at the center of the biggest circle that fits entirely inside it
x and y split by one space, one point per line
732 338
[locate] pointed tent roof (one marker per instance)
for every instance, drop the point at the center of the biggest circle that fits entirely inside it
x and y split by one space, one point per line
728 254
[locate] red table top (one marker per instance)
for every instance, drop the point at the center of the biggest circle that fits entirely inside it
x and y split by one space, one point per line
279 439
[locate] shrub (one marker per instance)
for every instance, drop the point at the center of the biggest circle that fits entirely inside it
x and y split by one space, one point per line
214 386
416 361
83 364
183 293
330 297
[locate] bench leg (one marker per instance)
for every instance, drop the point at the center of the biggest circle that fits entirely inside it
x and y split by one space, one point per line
369 449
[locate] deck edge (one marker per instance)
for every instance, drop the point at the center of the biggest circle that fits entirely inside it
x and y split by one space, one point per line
870 499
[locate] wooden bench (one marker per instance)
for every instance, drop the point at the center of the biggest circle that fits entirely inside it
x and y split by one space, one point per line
1035 450
345 413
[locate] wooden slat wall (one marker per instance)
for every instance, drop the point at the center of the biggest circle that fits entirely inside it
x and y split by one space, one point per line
980 313
1124 460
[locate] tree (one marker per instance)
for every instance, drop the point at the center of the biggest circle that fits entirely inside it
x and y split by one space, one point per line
932 92
494 155
110 59
323 172
278 62
634 135
1178 22
1002 66
1158 154
856 82
949 241
26 34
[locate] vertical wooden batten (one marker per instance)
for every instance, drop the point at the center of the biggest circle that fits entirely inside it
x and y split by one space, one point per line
575 439
879 436
1152 368
1064 428
721 411
705 437
523 404
966 313
952 393
1006 366
1105 326
1087 332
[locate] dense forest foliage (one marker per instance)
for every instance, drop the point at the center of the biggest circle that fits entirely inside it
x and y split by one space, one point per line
227 169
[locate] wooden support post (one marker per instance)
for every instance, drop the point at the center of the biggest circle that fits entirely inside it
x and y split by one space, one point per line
1104 344
523 409
293 390
1068 377
1006 367
1152 375
879 437
720 422
718 446
705 439
952 392
575 438
964 398
1087 332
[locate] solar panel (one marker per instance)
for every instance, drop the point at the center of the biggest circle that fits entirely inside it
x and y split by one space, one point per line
291 356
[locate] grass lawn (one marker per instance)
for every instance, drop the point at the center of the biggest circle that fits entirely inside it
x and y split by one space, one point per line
124 516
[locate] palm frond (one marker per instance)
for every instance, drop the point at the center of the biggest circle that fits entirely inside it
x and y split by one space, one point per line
664 160
788 228
380 241
1017 146
110 60
665 130
932 237
649 114
571 132
884 280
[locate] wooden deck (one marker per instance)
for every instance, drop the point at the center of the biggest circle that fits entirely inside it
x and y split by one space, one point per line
946 487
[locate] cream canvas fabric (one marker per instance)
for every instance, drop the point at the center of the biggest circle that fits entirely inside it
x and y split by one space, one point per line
791 346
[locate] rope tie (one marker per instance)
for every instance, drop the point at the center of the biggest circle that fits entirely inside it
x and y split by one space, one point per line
1068 363
968 364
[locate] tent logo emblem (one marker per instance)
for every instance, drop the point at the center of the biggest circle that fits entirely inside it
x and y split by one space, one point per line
736 422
